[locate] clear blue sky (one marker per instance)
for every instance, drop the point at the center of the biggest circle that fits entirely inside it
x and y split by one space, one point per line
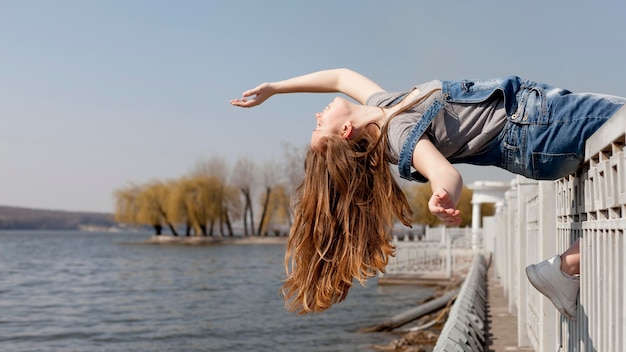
97 94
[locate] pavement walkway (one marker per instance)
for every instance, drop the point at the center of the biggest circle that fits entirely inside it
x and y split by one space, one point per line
501 325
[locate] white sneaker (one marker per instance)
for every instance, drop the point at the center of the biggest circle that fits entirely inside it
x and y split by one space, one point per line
559 287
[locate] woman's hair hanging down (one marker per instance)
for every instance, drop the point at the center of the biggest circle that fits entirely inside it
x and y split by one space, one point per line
344 213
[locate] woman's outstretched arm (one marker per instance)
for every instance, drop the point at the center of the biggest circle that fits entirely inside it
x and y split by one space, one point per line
445 181
340 80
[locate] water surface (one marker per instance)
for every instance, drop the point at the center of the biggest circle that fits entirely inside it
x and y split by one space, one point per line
78 291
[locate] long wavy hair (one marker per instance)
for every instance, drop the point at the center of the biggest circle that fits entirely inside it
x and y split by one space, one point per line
344 213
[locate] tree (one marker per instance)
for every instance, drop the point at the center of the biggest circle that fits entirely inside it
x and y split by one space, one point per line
181 202
205 197
203 203
270 177
231 206
152 203
465 206
216 168
278 210
488 209
419 195
243 178
126 205
293 171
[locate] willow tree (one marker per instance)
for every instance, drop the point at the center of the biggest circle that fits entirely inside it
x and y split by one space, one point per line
152 202
215 168
126 205
180 203
418 196
203 203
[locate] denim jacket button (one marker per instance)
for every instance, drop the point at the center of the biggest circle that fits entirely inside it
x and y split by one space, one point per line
525 117
514 116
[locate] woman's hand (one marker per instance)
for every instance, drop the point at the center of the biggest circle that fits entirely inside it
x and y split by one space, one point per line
341 80
258 94
442 207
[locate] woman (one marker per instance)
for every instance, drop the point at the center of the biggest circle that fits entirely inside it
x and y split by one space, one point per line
347 201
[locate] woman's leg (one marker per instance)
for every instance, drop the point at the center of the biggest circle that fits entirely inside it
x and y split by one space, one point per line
570 259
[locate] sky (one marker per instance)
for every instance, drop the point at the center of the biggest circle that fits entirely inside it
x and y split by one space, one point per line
96 95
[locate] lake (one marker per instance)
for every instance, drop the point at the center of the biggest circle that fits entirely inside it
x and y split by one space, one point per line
86 291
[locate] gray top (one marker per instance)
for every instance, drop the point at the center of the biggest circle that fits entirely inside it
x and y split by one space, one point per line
459 130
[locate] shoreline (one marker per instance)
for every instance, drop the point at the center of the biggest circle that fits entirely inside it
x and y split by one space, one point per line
215 240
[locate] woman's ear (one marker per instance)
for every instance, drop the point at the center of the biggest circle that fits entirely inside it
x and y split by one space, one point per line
346 132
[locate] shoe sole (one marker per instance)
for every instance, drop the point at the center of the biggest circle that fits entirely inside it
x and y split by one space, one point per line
534 277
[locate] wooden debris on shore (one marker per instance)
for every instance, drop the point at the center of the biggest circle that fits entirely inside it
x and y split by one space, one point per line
414 341
413 314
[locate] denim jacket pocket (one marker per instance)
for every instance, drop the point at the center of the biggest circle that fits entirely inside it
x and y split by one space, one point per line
532 107
512 157
476 91
554 166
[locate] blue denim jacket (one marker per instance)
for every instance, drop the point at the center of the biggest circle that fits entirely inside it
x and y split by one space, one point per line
545 131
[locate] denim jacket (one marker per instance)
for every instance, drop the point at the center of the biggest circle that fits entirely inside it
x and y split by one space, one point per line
462 91
544 134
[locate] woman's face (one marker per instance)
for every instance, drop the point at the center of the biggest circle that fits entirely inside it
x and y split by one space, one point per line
333 120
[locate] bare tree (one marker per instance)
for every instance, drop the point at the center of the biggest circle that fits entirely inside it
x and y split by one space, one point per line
270 177
278 211
293 164
231 207
215 167
243 179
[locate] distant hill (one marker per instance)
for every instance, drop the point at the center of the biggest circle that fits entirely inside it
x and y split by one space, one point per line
15 218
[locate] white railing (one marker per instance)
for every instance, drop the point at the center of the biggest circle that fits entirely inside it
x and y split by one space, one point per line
464 329
439 254
541 219
460 237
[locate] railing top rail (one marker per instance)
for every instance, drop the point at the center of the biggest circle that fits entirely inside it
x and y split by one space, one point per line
610 131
